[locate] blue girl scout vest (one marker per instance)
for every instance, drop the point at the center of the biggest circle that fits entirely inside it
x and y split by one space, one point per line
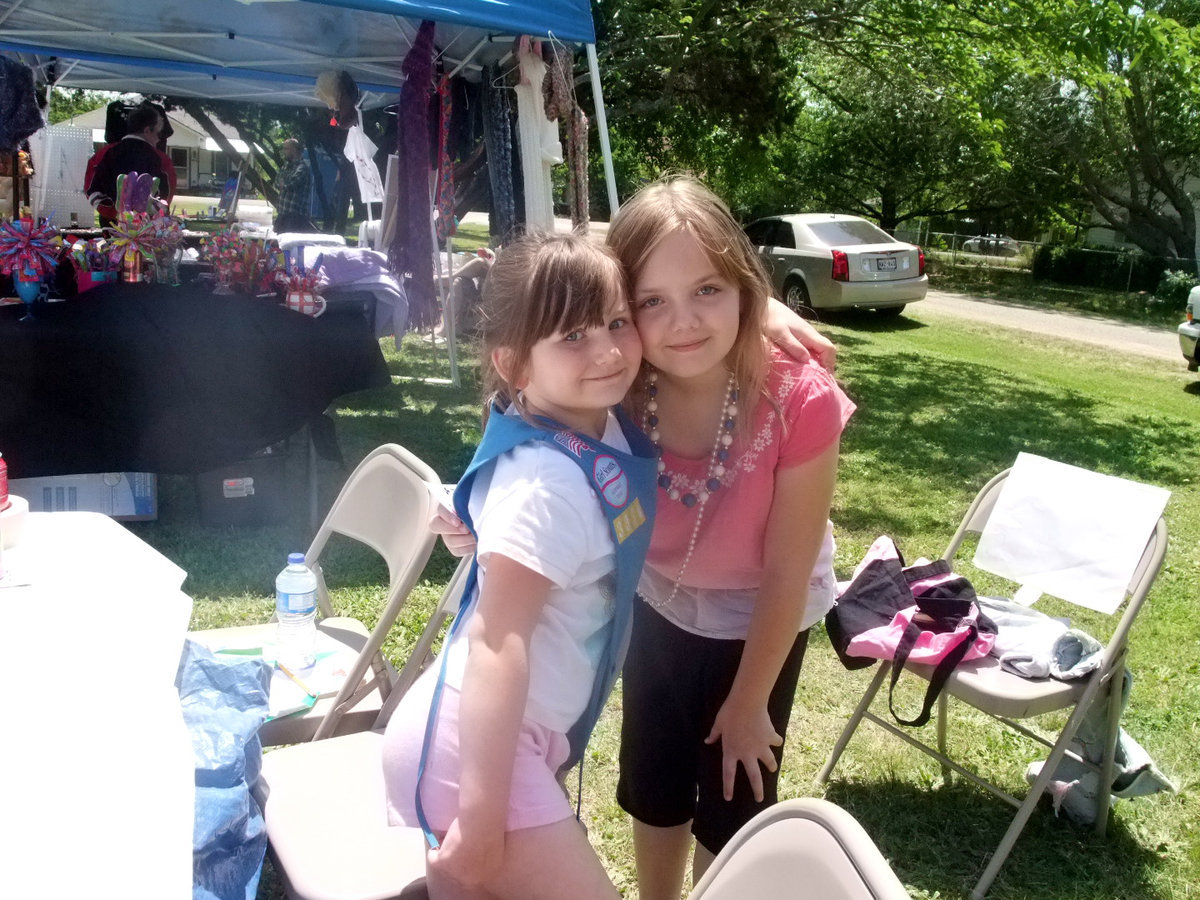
626 485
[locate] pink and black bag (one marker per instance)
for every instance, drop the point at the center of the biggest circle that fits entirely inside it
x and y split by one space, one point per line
924 614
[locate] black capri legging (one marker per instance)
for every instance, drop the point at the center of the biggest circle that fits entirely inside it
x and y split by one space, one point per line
673 685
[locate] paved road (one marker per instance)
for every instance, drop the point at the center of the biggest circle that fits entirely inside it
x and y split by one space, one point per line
1161 343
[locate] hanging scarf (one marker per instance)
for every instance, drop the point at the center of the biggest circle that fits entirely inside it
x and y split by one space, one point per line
19 113
446 223
411 252
541 149
562 105
497 137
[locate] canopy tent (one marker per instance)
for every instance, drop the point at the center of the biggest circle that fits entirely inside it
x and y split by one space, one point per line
271 51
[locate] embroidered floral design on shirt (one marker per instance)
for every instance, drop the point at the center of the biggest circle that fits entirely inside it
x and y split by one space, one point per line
748 452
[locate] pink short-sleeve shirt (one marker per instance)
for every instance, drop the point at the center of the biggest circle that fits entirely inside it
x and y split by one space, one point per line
726 566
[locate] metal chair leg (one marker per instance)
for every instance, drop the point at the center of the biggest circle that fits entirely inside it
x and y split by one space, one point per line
1035 791
1108 761
943 708
848 732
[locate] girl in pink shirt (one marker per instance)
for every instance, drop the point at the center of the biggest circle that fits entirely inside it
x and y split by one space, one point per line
740 564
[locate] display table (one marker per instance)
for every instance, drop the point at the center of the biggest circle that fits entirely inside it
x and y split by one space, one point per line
149 378
97 781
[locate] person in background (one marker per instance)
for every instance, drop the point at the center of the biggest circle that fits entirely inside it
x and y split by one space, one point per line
295 188
466 290
137 151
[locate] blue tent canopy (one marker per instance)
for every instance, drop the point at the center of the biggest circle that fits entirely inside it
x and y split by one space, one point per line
271 51
267 50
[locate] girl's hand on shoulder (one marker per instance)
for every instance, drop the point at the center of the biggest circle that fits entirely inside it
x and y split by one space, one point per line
469 863
797 338
747 736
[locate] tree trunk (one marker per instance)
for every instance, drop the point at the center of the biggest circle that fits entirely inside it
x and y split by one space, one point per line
888 213
192 107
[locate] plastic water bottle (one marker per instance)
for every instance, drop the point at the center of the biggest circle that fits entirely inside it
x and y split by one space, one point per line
296 611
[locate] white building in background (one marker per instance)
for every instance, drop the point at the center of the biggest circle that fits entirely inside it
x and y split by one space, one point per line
199 161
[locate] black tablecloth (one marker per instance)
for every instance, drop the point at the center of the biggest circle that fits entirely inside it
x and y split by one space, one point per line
168 380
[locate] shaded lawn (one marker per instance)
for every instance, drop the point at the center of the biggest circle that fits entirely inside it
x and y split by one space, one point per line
941 409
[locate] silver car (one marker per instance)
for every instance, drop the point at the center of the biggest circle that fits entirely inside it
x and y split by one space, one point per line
992 245
831 261
1189 331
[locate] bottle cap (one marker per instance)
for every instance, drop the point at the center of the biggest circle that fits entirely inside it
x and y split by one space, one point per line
295 559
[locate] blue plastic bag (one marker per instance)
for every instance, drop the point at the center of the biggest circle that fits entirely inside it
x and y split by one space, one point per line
224 701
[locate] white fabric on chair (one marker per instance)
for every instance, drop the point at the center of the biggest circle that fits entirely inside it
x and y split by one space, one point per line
1093 570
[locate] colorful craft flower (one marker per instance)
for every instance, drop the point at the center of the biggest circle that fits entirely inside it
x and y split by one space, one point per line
132 235
28 249
270 267
301 282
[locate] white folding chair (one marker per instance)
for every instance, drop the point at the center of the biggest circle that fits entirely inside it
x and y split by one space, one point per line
802 849
1007 697
324 801
385 504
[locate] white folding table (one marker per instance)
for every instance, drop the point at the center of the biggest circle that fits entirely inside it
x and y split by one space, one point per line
96 770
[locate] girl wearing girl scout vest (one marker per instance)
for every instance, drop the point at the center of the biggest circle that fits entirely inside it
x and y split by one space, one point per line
560 498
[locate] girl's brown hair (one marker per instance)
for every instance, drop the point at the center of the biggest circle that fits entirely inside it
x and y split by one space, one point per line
541 285
682 203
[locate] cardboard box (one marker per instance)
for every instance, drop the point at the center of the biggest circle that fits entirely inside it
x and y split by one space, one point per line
126 496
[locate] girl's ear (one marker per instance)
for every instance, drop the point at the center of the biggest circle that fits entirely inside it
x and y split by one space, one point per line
502 360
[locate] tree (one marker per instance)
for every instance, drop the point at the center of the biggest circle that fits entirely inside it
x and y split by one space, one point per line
692 84
1099 101
1034 108
66 103
888 147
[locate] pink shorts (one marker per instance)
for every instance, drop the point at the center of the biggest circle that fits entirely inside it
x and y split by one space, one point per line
536 797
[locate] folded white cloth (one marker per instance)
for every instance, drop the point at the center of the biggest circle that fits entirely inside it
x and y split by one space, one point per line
1034 645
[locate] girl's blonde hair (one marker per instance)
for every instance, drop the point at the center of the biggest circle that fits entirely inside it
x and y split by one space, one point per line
541 285
682 203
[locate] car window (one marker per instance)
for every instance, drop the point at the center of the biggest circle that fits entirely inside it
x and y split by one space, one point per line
783 236
759 233
849 231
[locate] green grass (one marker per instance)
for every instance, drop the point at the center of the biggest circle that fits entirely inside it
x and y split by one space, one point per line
998 279
942 407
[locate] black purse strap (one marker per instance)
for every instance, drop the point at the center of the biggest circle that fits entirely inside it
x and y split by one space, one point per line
941 671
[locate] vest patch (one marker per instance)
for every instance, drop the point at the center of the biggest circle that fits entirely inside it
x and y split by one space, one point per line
612 480
570 441
629 521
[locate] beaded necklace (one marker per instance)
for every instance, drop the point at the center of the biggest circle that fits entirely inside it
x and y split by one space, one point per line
671 482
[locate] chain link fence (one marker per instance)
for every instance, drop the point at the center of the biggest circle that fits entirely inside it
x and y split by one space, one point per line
1117 269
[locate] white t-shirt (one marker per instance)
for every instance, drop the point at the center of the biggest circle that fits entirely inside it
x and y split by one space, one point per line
537 507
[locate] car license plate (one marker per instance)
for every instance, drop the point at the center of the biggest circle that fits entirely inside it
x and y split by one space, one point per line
885 265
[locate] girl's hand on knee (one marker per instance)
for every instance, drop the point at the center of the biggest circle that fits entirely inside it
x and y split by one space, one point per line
747 736
470 866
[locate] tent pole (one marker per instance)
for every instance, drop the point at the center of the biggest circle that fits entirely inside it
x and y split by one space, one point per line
610 176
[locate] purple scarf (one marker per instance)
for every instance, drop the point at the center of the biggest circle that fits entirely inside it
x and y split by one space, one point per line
412 251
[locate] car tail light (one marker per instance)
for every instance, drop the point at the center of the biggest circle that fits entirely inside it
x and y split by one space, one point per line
1189 314
920 261
841 266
